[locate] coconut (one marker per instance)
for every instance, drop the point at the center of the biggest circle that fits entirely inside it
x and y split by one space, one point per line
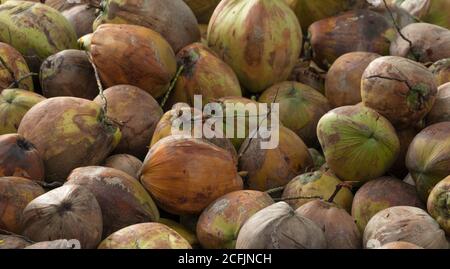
134 55
343 80
203 9
301 108
316 184
261 40
16 69
317 157
401 90
438 202
123 201
357 30
187 234
203 74
219 224
380 194
405 137
81 17
145 236
15 194
405 223
399 245
56 244
69 132
271 168
280 227
136 112
359 144
424 43
13 241
441 71
307 72
125 163
395 15
19 158
35 30
173 19
68 73
440 112
14 103
84 42
438 13
428 158
69 211
338 226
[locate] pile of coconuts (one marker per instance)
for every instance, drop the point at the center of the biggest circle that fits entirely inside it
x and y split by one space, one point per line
91 92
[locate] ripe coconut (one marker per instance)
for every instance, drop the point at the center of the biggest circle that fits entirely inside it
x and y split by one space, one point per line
272 168
14 104
145 236
307 72
125 163
405 137
203 74
440 111
68 73
380 194
301 108
137 114
13 241
123 201
15 194
438 202
173 19
280 227
401 90
441 71
319 183
338 226
343 80
359 144
399 245
19 158
134 55
425 43
317 157
81 17
35 30
181 174
203 9
187 234
69 211
13 68
261 40
357 30
438 13
428 158
69 132
405 223
219 224
56 244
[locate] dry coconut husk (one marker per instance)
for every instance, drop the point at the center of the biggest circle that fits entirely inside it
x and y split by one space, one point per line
126 163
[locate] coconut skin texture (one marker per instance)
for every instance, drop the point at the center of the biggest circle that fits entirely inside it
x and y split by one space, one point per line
405 137
137 113
318 183
441 71
186 233
15 194
69 132
261 40
56 244
358 143
145 236
126 163
401 90
376 195
427 159
280 227
430 43
438 202
81 17
405 223
14 104
307 72
339 227
146 59
15 69
173 19
13 242
35 30
68 73
440 112
301 108
272 168
219 224
203 74
357 30
181 174
69 211
343 80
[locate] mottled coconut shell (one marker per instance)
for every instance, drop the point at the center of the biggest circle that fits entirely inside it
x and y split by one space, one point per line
67 212
441 71
13 242
440 111
15 69
182 230
438 202
280 227
405 223
81 17
126 163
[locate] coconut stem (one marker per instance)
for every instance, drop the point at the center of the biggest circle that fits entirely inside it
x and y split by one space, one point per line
5 232
297 198
172 85
338 189
274 190
17 82
99 84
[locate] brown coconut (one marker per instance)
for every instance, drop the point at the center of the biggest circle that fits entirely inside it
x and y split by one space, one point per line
69 211
13 68
440 111
307 72
124 162
441 71
405 137
81 17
